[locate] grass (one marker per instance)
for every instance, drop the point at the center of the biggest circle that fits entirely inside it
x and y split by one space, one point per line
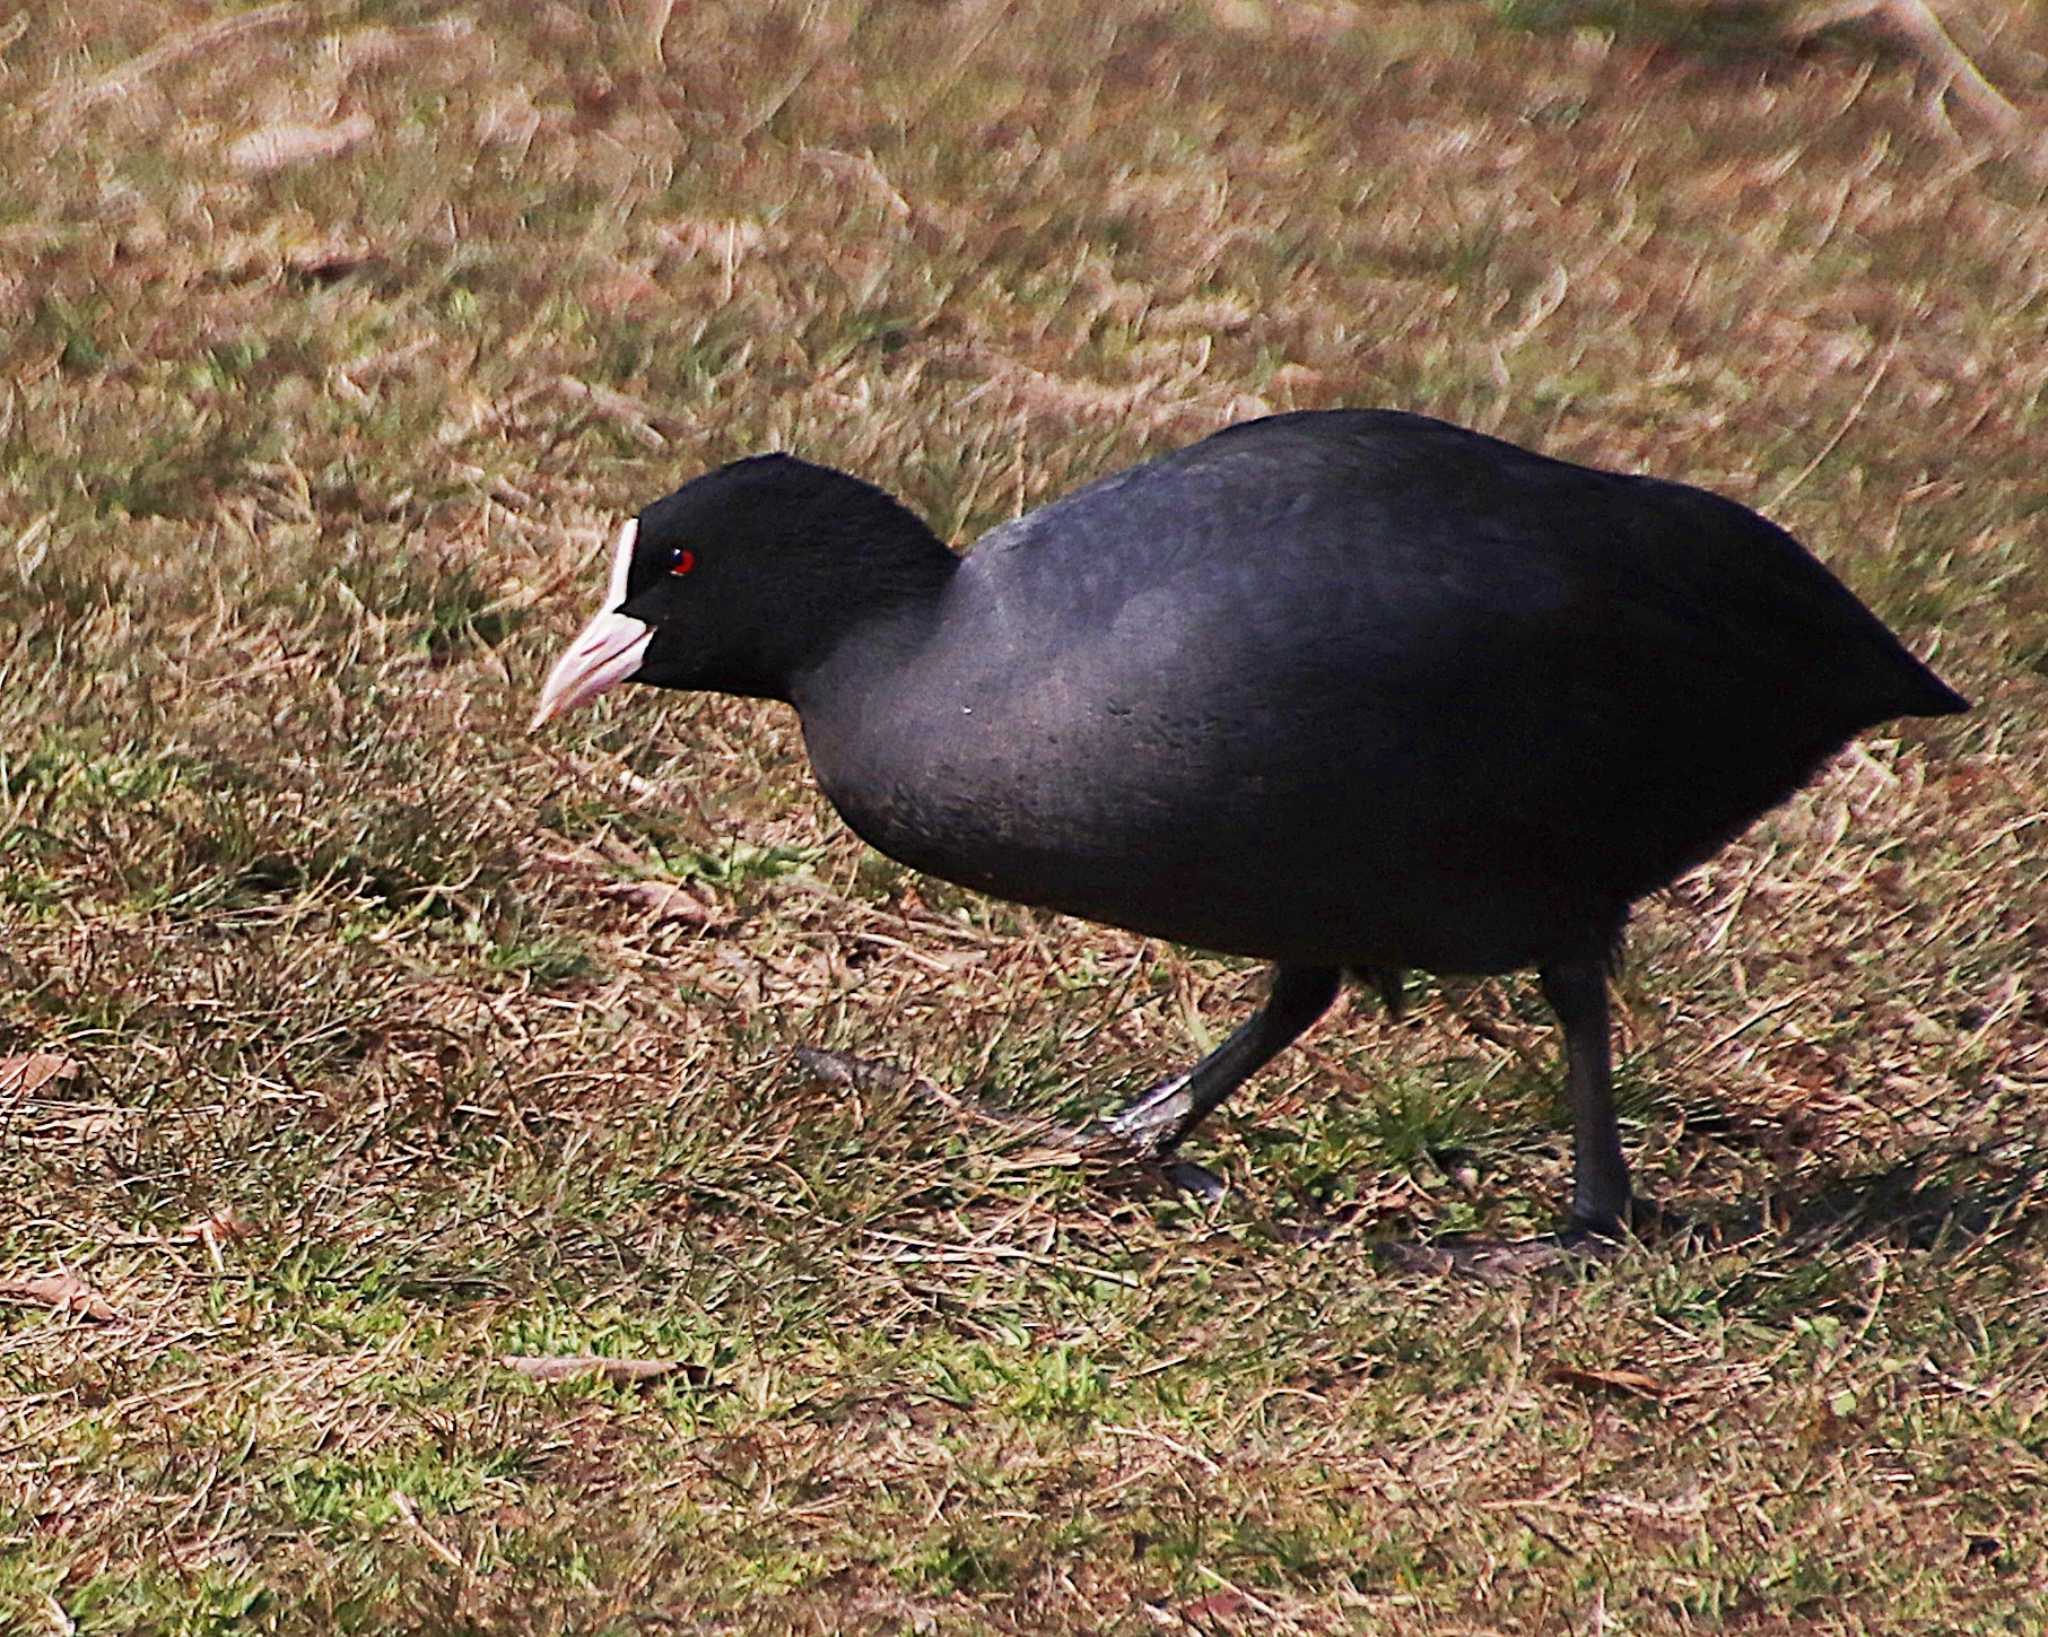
337 337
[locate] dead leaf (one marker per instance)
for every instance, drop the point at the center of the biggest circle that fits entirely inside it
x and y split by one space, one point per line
1216 1606
619 1371
1203 1613
220 1227
664 901
623 292
26 1075
63 1291
275 147
1632 1383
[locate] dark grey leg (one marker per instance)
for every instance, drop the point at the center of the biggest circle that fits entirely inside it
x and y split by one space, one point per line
1155 1124
1577 990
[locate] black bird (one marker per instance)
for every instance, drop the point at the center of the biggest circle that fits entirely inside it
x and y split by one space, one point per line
1347 691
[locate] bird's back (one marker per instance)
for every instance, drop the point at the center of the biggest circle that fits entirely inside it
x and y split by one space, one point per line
1361 685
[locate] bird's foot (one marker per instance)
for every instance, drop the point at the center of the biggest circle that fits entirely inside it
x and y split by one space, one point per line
1133 1149
1134 1154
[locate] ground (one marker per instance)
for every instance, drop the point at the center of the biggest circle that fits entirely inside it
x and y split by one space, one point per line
356 1041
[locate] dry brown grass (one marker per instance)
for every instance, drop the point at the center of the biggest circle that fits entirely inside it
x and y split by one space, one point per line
335 337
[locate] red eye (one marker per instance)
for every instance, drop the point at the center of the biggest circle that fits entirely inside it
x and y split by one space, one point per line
685 561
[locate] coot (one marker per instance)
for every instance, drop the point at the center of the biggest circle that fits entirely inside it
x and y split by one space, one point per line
1349 691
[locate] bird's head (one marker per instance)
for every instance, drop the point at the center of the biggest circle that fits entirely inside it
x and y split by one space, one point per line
737 580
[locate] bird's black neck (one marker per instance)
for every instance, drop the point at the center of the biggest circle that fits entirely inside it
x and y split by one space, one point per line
864 592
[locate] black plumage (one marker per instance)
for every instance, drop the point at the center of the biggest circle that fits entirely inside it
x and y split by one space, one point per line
1341 690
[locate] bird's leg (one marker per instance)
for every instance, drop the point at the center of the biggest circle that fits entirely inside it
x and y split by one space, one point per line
1577 992
1601 1202
1153 1126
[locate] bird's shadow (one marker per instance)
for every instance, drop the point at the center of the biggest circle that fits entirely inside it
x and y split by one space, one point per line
1905 1207
1916 1204
1908 1206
